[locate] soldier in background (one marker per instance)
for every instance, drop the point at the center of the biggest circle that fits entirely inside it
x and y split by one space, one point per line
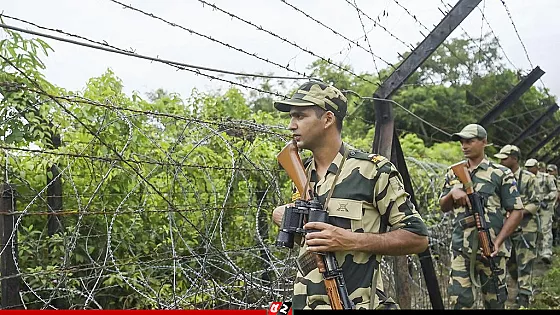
367 196
541 167
524 239
546 193
503 208
553 171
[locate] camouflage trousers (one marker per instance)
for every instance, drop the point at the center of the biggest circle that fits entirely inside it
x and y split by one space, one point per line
545 243
520 264
462 290
556 225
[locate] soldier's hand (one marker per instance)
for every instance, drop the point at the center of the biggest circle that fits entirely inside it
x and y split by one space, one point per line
497 245
329 238
278 213
460 198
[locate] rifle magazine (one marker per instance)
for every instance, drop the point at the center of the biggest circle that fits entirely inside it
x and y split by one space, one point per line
306 263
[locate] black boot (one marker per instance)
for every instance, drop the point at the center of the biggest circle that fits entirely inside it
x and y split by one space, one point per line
522 300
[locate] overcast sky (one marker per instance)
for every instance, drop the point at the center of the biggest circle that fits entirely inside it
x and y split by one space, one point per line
71 66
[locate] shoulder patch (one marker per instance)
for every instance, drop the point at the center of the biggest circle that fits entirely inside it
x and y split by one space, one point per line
356 154
376 158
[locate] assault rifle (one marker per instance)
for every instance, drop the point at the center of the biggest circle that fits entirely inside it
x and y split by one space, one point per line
308 208
477 211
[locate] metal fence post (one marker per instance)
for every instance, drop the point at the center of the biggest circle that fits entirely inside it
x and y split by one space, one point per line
10 282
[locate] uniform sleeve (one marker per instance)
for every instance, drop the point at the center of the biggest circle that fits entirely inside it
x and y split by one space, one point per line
553 194
393 202
447 184
532 202
509 195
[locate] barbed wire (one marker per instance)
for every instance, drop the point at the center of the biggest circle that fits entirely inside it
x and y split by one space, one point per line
400 106
109 48
492 31
191 31
285 40
521 42
119 155
113 212
178 65
370 51
517 33
348 47
451 51
377 23
367 39
227 123
108 159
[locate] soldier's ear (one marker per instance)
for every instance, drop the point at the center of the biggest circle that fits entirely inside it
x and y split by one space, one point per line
330 119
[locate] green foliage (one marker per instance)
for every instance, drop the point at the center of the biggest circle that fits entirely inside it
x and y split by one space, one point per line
548 287
26 112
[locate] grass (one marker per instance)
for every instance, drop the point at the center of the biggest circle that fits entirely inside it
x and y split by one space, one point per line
548 285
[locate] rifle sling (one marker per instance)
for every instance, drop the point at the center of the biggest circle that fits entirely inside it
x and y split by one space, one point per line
474 248
344 157
474 251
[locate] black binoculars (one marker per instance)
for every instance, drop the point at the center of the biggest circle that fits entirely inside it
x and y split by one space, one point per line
295 217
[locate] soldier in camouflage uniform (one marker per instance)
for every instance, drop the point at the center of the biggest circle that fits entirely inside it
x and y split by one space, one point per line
502 206
367 196
524 239
541 166
546 193
553 171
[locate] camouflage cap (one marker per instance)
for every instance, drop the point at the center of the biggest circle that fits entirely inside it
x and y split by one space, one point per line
470 131
316 93
507 150
531 163
551 167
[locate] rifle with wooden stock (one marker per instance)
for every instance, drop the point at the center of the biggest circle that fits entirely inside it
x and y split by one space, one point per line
308 208
477 210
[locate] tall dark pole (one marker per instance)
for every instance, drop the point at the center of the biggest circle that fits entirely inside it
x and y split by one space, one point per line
535 124
541 144
10 281
551 154
513 95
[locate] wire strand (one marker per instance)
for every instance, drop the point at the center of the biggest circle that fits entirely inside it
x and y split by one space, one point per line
191 31
136 55
260 28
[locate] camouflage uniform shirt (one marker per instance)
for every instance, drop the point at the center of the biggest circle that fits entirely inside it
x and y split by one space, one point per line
546 187
368 187
496 184
526 185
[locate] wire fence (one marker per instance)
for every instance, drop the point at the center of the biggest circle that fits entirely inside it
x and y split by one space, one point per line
123 222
